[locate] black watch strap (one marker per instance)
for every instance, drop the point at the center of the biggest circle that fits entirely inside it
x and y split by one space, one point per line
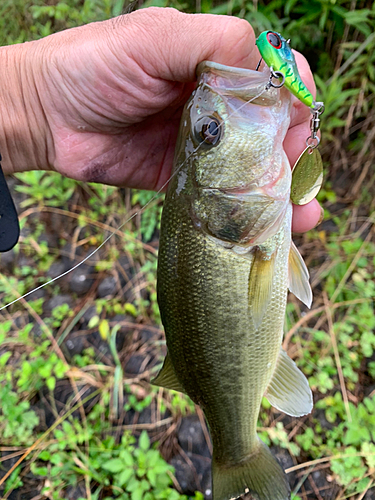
9 225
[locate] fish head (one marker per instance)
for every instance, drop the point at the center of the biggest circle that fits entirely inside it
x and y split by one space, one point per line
233 130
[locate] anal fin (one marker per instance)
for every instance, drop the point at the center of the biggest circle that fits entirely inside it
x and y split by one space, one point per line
167 378
289 389
260 284
299 277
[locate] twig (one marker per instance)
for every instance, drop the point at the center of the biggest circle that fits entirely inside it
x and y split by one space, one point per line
315 488
351 59
299 323
313 313
327 459
302 480
370 483
364 171
337 356
351 267
147 427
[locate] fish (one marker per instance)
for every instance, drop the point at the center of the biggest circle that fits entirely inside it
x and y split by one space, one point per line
226 261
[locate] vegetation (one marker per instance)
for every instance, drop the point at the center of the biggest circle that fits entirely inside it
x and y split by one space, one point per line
67 380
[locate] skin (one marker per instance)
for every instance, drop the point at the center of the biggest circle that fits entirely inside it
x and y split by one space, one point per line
102 102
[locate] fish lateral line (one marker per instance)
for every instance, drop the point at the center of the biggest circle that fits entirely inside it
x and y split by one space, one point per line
138 212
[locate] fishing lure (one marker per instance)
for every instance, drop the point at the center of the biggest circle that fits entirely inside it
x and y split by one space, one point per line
307 174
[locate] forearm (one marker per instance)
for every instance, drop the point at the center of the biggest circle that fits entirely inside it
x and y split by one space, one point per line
23 127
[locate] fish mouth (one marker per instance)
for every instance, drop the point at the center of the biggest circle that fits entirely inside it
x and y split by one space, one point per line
239 82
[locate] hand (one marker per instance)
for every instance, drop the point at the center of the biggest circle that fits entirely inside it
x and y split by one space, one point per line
103 102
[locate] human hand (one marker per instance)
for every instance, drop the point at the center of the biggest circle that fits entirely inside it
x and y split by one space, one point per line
103 102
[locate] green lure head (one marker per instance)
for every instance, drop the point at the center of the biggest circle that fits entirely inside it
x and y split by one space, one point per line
276 52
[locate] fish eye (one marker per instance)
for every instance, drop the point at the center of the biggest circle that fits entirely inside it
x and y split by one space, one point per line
209 130
274 39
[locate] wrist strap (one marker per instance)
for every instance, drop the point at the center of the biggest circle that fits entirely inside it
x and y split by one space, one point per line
9 225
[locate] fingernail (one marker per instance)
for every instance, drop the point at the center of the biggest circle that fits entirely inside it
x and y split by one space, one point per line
321 217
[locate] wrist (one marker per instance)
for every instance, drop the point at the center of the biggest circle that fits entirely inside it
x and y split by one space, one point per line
23 127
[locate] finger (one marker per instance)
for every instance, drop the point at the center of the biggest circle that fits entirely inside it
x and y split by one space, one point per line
295 141
306 217
300 113
171 44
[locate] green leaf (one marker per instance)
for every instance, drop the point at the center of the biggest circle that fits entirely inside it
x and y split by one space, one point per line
144 441
124 476
130 309
104 329
151 476
127 458
51 383
132 484
4 358
40 471
114 465
368 449
94 321
44 455
137 493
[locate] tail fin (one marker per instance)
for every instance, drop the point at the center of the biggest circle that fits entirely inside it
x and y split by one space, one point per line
260 475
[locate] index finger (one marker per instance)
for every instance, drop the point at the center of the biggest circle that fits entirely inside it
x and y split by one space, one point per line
172 43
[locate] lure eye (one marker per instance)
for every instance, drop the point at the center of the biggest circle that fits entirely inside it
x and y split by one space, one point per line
209 130
274 39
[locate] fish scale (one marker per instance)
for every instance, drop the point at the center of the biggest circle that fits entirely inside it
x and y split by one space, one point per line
223 276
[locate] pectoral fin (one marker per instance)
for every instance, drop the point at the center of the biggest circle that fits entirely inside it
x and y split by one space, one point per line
260 285
167 378
299 277
289 389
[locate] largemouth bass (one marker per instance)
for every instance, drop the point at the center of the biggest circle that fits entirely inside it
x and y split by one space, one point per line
226 261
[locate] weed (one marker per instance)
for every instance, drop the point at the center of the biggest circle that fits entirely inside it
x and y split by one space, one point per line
17 421
45 189
121 470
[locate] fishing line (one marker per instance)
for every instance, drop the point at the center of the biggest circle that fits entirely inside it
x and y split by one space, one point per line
139 212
